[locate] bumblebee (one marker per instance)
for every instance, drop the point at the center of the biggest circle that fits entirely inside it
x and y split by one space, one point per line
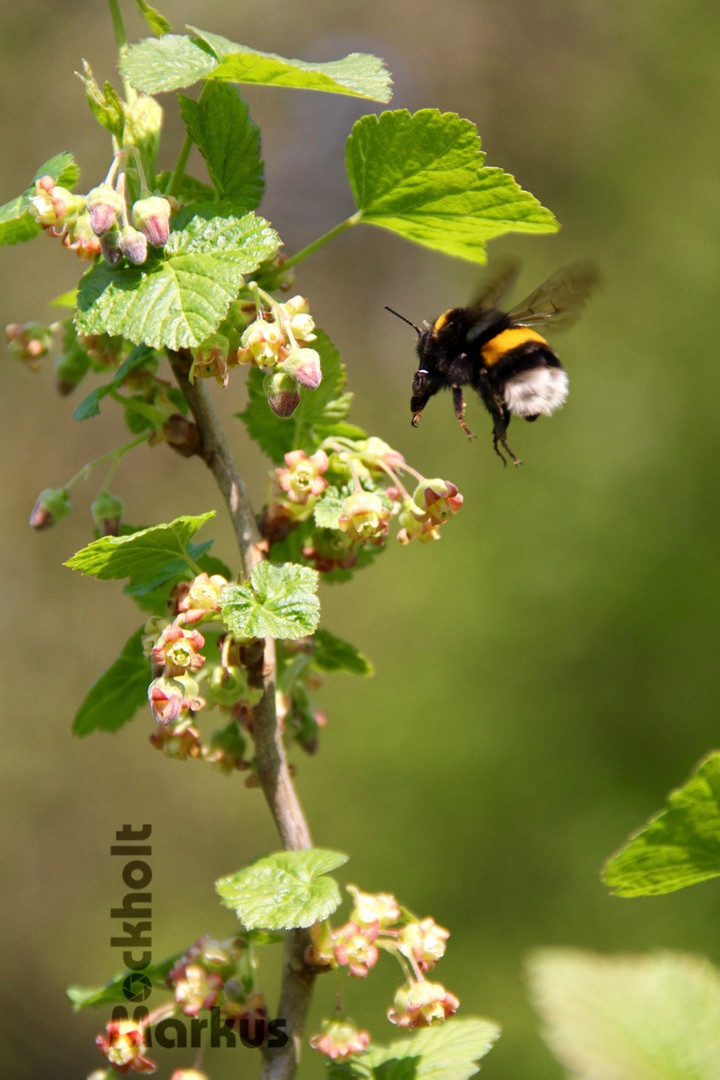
500 355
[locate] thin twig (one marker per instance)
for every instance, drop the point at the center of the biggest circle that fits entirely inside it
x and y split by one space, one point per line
271 762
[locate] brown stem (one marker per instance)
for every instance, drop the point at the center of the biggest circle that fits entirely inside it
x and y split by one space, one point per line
272 765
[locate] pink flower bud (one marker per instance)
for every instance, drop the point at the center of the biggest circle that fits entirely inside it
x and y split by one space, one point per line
304 367
133 245
107 512
282 394
105 206
110 247
152 216
52 504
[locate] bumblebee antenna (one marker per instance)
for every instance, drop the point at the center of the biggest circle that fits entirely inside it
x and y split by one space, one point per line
392 311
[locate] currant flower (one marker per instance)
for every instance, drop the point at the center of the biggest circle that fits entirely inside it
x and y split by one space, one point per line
338 1039
421 1004
370 908
353 946
364 518
124 1046
423 943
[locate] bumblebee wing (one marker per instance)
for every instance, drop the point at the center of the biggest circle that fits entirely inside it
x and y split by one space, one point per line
496 286
560 299
483 312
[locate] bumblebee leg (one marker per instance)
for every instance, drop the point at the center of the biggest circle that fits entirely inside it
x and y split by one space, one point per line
459 406
500 426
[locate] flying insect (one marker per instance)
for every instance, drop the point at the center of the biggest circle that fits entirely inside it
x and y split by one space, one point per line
500 354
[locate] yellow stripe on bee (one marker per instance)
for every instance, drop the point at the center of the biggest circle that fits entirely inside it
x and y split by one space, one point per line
496 348
441 320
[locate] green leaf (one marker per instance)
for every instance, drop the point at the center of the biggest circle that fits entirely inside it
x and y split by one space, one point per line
190 189
157 22
174 62
449 1051
116 696
331 653
171 62
177 300
113 992
422 176
142 555
90 405
277 601
285 890
320 413
105 104
16 222
651 1017
220 126
328 508
679 846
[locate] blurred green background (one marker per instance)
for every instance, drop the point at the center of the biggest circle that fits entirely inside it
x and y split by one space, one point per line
548 671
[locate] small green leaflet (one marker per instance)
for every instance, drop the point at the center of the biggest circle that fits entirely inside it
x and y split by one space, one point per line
277 601
16 221
143 555
90 405
113 992
177 300
423 176
174 62
448 1051
331 653
105 104
679 846
220 126
116 696
654 1016
321 412
157 22
284 891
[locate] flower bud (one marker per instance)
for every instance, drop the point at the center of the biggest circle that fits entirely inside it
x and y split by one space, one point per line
79 237
282 394
133 245
105 206
70 367
211 358
51 505
107 511
303 365
52 204
152 216
182 435
28 341
110 247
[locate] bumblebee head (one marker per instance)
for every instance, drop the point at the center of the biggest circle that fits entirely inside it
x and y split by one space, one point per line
425 383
